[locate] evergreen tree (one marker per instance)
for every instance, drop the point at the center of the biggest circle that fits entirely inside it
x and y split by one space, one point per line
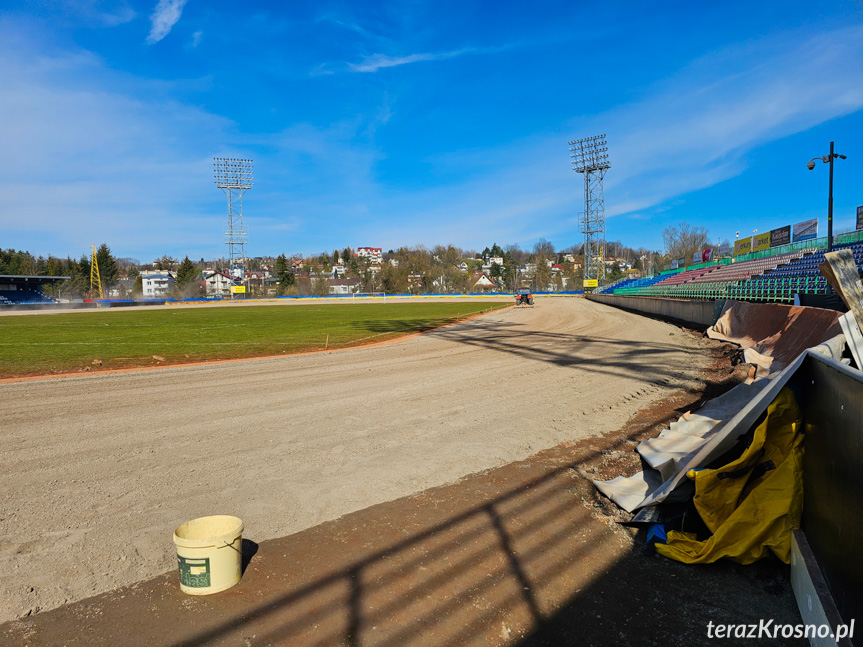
284 275
185 283
108 270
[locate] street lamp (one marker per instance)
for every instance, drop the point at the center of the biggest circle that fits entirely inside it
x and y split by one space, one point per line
828 159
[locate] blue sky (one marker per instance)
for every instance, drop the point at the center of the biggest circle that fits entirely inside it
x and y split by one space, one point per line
404 123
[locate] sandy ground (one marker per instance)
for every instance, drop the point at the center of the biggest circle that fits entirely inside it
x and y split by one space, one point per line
97 471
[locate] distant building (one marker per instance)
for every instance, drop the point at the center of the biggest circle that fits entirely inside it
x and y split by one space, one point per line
482 283
217 284
156 283
415 282
374 254
495 260
343 286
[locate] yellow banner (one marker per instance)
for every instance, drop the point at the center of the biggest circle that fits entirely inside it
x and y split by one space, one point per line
238 289
591 283
760 242
742 246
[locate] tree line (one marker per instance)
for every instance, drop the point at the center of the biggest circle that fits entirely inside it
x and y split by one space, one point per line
417 269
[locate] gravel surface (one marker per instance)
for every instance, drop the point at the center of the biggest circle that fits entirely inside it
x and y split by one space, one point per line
97 471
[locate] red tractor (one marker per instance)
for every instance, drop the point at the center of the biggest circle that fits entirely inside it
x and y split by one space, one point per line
523 298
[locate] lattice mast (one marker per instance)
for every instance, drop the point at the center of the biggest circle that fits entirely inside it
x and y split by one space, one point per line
590 158
95 278
235 176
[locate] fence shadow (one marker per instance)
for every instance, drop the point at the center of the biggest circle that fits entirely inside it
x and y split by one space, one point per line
535 564
654 362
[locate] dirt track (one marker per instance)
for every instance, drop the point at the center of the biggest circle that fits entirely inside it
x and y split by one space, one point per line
98 470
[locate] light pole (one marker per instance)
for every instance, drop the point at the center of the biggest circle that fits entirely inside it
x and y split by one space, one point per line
828 159
590 158
235 176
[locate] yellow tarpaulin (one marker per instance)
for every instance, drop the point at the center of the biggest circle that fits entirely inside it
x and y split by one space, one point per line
752 504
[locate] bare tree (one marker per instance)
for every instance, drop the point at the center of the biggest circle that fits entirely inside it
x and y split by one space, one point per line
684 240
543 248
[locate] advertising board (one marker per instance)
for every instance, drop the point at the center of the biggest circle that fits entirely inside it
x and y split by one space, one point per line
760 242
805 230
780 236
742 246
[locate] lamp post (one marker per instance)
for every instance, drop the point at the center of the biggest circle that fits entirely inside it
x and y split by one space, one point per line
828 159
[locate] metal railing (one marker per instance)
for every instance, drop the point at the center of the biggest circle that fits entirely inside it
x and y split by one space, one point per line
763 289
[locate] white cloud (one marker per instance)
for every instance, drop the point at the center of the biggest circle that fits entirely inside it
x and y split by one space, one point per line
691 133
118 13
164 17
97 164
696 131
376 62
102 156
196 38
320 70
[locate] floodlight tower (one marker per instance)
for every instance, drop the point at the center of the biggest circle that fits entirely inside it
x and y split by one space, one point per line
234 176
590 157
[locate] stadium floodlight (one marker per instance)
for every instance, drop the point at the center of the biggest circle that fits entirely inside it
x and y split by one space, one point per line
589 157
828 159
235 176
232 173
589 154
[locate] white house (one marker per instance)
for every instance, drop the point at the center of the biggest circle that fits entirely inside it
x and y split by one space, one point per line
218 284
495 260
343 286
482 283
156 283
374 254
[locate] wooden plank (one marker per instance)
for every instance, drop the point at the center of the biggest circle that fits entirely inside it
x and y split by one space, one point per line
853 337
840 270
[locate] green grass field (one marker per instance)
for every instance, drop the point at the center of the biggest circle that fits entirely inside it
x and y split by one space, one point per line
62 343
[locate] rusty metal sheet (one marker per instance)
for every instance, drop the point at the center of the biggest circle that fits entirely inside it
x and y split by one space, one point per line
774 331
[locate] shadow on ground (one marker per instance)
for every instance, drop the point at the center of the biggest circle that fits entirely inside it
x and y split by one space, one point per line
596 354
526 554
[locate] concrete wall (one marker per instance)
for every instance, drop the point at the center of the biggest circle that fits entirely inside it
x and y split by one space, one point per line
697 312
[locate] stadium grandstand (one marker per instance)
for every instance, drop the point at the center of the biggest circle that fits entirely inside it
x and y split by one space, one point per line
26 290
774 275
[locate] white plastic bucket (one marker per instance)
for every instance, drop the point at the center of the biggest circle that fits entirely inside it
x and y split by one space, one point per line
209 554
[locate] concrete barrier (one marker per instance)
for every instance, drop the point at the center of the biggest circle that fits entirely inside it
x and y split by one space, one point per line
703 313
